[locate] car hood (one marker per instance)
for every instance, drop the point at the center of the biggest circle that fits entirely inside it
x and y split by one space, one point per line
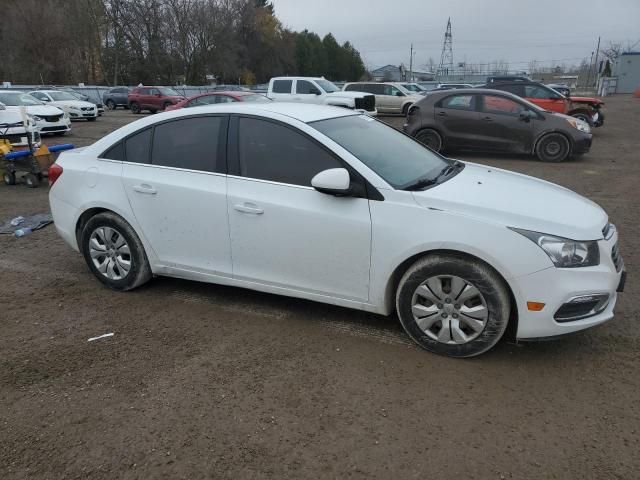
41 110
73 103
349 94
595 101
516 200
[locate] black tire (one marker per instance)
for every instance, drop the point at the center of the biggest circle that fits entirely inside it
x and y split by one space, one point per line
31 180
135 108
492 290
92 119
111 105
140 270
405 109
9 178
585 117
553 147
430 138
165 105
153 111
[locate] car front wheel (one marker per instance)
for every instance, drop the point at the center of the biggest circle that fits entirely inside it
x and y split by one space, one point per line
114 253
135 108
553 147
453 305
111 105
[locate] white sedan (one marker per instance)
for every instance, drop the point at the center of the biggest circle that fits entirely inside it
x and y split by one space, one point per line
50 119
325 204
75 108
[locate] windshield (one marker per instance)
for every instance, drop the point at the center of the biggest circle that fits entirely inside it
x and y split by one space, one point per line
15 99
397 158
169 92
256 98
327 86
62 96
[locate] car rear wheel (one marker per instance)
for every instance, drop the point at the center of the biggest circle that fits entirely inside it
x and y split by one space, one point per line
135 108
114 253
452 305
111 105
553 147
405 109
430 138
584 117
9 178
165 105
31 180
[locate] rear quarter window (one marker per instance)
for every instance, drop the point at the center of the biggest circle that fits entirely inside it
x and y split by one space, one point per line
282 86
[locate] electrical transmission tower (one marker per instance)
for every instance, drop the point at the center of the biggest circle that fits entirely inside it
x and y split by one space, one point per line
446 59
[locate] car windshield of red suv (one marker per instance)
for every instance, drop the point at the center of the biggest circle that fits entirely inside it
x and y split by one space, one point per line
169 92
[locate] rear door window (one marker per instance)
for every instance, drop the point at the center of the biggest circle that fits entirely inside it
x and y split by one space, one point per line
282 86
459 102
137 147
197 143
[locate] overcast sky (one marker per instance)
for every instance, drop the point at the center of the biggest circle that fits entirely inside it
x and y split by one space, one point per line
483 30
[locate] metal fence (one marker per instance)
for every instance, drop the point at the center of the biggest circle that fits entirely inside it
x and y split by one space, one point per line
96 92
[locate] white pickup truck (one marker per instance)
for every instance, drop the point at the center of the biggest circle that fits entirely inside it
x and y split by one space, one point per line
319 91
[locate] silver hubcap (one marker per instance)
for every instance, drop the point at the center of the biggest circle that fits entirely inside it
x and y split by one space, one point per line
449 309
110 253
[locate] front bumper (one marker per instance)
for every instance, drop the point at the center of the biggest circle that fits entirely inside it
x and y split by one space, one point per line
583 144
63 125
557 286
79 114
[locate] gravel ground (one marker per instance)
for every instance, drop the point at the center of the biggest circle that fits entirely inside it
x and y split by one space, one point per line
203 381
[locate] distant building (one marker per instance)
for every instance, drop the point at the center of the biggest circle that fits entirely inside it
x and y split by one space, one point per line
393 73
627 69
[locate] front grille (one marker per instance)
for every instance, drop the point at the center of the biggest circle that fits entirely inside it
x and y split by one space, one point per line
87 109
51 118
52 129
368 103
615 256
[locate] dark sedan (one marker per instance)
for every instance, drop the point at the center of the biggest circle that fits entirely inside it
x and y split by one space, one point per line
495 121
116 97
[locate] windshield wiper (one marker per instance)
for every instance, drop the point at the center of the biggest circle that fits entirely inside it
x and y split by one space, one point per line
427 182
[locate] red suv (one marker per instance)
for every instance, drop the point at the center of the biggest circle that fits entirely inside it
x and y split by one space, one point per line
152 98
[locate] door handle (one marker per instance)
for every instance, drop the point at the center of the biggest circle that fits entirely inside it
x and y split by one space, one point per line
144 188
442 114
248 208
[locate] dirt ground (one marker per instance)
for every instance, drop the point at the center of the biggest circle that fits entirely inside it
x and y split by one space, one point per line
203 381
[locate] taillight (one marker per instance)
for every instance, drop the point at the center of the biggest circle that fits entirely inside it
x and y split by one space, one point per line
55 171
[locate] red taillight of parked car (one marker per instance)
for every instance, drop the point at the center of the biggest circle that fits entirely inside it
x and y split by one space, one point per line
55 171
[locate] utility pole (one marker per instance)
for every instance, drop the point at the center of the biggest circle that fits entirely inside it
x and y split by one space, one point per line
589 71
597 70
446 59
411 65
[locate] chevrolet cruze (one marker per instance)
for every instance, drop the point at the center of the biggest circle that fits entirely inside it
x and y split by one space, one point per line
325 204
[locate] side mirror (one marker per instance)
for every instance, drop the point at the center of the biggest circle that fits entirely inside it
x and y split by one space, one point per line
315 91
45 99
334 181
527 115
399 94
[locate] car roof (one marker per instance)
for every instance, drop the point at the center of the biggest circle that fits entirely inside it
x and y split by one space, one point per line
304 112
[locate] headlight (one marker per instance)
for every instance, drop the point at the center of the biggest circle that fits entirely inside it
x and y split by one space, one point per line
563 252
71 107
36 118
579 124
